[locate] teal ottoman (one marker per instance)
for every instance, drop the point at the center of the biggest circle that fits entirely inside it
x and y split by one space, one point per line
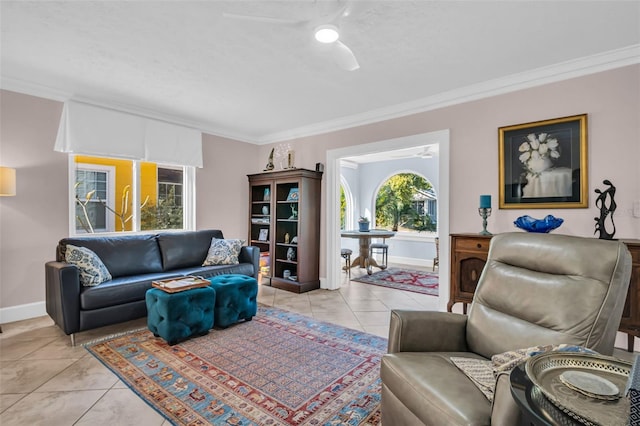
178 316
236 298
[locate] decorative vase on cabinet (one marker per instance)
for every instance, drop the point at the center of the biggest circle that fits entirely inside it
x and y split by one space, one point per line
294 227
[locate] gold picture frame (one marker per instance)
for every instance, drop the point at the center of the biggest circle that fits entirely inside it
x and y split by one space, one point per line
543 164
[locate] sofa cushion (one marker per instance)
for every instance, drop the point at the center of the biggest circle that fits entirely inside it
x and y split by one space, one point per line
223 252
185 249
123 255
119 291
92 270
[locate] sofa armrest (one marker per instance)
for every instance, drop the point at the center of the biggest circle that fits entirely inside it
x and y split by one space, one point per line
250 254
62 286
427 331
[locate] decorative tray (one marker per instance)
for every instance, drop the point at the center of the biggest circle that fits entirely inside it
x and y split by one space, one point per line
586 387
174 285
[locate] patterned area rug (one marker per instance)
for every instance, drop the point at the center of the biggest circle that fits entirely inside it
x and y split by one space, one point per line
404 279
281 368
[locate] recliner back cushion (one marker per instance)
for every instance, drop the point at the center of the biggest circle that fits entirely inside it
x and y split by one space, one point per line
185 249
122 254
583 282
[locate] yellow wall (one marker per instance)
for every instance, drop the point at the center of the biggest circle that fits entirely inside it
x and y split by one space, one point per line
124 177
148 183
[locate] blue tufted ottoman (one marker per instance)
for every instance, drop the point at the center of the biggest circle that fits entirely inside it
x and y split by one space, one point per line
178 316
235 298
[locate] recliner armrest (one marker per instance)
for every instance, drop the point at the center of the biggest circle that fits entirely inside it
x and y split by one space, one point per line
427 331
504 410
250 254
62 286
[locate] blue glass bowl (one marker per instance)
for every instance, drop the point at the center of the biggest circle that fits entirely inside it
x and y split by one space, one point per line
529 224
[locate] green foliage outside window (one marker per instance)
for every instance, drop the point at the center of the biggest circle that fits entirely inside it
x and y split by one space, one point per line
343 207
166 214
394 204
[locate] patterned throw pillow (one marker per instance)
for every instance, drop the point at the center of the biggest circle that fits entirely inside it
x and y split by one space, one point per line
223 252
92 270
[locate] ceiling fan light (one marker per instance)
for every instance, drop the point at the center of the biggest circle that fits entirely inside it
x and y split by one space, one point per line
327 34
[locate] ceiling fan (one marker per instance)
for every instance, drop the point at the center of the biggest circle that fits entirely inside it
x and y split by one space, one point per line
325 31
427 151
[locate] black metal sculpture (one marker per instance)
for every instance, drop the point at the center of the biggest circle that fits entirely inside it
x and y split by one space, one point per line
607 207
270 165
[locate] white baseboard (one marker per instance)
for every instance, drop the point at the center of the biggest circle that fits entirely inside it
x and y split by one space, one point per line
22 312
411 261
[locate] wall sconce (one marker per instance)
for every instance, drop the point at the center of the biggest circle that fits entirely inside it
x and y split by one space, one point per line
7 182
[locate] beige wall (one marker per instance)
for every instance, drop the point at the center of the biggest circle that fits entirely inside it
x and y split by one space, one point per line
32 222
222 192
612 101
36 218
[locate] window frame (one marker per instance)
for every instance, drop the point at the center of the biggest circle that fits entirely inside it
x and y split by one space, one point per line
111 194
188 196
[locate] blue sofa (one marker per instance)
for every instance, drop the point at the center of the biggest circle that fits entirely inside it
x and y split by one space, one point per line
133 261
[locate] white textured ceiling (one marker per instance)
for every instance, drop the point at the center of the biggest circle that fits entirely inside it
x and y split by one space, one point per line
262 82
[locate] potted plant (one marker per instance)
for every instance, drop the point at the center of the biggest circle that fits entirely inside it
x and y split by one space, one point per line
363 224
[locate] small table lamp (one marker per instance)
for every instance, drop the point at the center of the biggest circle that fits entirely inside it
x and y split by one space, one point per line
7 182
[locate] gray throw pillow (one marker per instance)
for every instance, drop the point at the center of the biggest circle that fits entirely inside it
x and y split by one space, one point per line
92 270
223 252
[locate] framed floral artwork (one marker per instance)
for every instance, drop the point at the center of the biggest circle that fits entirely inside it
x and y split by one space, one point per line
543 164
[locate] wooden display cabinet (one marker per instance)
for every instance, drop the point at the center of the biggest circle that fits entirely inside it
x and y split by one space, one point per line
293 229
469 255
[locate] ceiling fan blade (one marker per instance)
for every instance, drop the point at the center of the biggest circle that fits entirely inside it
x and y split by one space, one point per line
344 57
265 19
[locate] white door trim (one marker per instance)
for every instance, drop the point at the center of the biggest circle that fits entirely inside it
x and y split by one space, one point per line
333 260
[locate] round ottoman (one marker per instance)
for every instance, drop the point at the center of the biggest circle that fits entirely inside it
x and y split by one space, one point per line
178 316
236 298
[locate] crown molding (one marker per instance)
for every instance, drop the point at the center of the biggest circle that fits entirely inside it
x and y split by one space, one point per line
348 164
562 71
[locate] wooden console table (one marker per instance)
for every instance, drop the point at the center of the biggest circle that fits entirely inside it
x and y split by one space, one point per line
469 254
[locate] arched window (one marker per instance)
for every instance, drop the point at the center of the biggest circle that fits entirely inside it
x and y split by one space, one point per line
407 202
346 205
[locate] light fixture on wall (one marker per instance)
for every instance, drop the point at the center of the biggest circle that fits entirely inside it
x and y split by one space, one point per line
7 181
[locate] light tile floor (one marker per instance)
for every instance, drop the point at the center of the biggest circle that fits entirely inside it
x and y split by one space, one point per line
45 381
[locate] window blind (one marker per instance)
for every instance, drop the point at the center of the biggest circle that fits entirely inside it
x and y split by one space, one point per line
93 130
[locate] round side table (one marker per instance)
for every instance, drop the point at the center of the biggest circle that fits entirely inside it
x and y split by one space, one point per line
535 408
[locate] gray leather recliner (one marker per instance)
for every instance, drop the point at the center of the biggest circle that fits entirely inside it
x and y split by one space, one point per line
535 289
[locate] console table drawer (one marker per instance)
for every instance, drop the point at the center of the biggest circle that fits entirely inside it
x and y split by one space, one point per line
472 244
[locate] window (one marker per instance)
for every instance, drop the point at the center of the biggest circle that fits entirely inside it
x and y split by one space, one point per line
93 192
406 202
115 195
346 204
167 211
343 207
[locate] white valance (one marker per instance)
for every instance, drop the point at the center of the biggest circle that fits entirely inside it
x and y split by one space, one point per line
92 130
